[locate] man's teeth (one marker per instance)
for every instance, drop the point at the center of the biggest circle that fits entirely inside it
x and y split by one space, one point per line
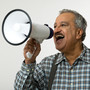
59 37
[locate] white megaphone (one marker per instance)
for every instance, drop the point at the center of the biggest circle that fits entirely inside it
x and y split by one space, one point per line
17 27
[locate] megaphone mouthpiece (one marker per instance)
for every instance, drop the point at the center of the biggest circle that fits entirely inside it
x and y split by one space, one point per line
51 31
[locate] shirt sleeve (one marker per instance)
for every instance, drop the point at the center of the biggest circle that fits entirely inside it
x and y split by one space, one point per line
30 77
24 77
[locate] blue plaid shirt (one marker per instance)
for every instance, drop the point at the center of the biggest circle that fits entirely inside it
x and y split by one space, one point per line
75 77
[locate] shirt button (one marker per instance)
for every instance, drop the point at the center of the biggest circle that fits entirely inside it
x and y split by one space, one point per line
71 84
27 70
71 70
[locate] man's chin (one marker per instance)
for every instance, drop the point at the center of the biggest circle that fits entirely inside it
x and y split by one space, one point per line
59 48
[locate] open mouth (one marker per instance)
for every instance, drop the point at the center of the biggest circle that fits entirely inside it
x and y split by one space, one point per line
59 37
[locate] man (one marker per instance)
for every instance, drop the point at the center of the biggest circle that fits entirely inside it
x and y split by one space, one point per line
73 63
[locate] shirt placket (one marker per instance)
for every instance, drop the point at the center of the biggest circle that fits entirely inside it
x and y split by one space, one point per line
70 77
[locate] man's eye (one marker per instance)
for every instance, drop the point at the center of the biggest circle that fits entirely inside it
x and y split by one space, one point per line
54 26
63 25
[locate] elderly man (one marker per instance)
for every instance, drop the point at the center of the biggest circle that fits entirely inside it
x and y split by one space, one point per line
73 61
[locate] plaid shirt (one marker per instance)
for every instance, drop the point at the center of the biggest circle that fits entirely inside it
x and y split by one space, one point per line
75 77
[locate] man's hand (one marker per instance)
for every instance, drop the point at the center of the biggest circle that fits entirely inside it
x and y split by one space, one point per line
34 48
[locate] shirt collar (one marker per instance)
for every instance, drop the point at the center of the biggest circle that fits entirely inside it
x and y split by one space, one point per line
60 58
84 56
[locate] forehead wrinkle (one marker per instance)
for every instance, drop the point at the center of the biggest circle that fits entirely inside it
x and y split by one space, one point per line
61 22
66 16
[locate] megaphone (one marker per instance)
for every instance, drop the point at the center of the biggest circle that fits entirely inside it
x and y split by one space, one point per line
17 27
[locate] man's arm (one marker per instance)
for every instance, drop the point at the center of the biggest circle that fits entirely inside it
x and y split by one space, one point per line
31 77
24 77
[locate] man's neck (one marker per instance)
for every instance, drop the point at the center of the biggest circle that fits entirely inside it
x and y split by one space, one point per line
72 55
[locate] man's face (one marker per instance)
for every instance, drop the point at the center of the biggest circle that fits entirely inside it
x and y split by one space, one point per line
65 32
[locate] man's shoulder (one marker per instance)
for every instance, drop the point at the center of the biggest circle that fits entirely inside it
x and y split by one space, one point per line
87 49
86 54
51 58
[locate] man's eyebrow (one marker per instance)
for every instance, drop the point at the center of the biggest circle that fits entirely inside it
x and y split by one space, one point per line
61 22
55 23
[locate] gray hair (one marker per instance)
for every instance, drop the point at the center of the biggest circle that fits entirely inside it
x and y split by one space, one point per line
80 21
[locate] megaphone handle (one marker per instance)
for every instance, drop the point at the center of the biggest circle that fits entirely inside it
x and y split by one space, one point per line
29 55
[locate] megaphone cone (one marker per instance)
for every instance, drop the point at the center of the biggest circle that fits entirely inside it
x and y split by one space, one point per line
17 27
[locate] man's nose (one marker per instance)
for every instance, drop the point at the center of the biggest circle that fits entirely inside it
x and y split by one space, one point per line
57 29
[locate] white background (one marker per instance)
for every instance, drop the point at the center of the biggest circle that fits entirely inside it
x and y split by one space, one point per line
41 12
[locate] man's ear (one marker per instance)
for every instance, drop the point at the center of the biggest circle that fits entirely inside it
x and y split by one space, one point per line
79 33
